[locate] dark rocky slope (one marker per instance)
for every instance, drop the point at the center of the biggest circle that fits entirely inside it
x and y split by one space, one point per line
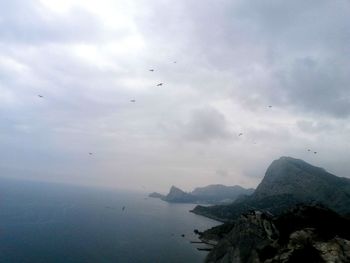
296 177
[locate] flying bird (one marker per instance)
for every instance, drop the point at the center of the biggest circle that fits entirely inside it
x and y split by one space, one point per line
308 150
123 208
270 106
40 96
90 153
240 134
159 84
174 62
151 70
315 152
132 100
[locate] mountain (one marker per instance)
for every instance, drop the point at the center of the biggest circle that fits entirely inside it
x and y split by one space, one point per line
297 235
218 193
211 194
298 178
287 182
176 195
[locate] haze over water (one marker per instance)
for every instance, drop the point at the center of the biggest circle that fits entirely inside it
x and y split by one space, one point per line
41 222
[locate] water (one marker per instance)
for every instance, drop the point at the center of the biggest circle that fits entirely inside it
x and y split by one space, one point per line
42 222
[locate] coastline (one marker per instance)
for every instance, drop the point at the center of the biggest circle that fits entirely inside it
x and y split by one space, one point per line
209 216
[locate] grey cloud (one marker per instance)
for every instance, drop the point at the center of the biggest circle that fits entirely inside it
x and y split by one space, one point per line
317 87
325 126
314 127
205 125
306 45
300 44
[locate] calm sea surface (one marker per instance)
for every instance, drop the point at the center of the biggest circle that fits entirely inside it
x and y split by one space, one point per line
41 222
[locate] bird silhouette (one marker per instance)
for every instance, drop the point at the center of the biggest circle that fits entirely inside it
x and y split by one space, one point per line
90 153
315 152
151 70
40 96
174 62
132 100
123 208
240 134
270 106
159 84
308 150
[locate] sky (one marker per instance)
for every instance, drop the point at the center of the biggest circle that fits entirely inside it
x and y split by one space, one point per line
222 64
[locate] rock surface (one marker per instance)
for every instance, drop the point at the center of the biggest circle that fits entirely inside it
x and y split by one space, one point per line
295 236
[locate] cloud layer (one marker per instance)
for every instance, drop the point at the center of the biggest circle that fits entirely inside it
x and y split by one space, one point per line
222 64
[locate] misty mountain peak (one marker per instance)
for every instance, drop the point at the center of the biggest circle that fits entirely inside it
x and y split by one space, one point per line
287 167
175 189
296 177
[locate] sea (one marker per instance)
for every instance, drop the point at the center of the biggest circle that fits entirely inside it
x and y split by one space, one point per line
47 222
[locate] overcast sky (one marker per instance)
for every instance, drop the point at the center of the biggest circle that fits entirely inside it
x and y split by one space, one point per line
234 58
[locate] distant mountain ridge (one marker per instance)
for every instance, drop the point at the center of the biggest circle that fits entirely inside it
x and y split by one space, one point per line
212 194
219 192
287 182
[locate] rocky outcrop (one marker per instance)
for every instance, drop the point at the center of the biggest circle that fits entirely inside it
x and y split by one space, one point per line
177 195
296 236
156 195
